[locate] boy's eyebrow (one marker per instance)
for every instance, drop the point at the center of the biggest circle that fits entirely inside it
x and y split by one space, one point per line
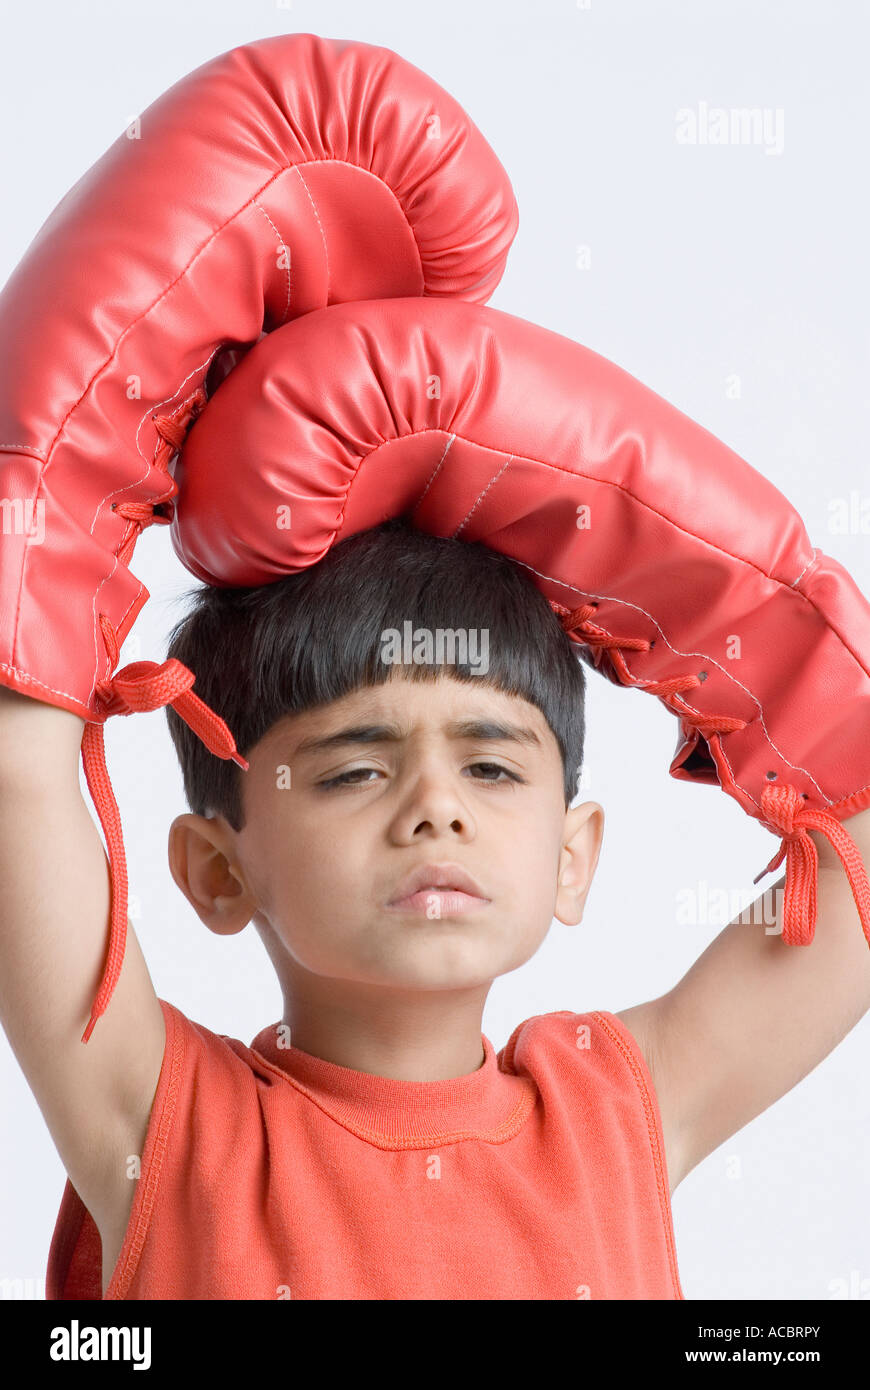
391 733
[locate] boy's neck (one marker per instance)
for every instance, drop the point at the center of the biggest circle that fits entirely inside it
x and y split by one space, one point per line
424 1035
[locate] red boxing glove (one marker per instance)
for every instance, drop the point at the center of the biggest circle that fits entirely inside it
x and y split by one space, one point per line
278 178
654 542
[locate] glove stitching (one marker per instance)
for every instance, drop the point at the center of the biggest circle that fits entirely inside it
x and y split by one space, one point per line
480 498
33 680
284 248
320 224
434 473
808 566
704 656
156 408
131 537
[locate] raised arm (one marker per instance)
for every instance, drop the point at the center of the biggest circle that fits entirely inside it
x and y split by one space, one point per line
753 1015
54 889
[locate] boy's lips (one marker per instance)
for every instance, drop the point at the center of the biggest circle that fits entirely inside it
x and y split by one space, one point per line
437 878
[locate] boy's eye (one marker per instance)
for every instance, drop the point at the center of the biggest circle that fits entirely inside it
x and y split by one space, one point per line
343 777
497 767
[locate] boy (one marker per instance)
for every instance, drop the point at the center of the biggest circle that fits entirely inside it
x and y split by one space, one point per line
404 835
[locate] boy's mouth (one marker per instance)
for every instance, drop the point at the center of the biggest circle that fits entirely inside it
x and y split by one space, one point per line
456 889
448 903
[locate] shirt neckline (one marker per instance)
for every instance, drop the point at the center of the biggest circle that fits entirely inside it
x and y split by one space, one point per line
488 1103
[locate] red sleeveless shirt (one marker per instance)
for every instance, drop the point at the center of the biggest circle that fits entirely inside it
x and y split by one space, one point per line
269 1173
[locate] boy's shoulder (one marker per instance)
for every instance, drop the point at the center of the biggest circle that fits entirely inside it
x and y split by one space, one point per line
595 1031
612 1057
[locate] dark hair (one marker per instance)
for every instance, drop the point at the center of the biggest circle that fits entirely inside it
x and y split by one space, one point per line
259 654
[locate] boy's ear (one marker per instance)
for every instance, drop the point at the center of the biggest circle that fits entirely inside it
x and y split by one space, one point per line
203 863
578 860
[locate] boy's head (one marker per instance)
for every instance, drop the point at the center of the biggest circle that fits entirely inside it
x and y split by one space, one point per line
415 635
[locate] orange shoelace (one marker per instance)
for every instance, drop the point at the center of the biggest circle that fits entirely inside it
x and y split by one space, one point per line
141 686
781 805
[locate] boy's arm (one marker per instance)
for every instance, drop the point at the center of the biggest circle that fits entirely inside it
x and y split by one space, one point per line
753 1015
54 890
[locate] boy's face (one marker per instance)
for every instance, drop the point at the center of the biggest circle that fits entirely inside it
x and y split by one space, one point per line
320 861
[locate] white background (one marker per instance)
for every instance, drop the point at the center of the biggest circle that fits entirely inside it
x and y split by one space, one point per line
709 265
